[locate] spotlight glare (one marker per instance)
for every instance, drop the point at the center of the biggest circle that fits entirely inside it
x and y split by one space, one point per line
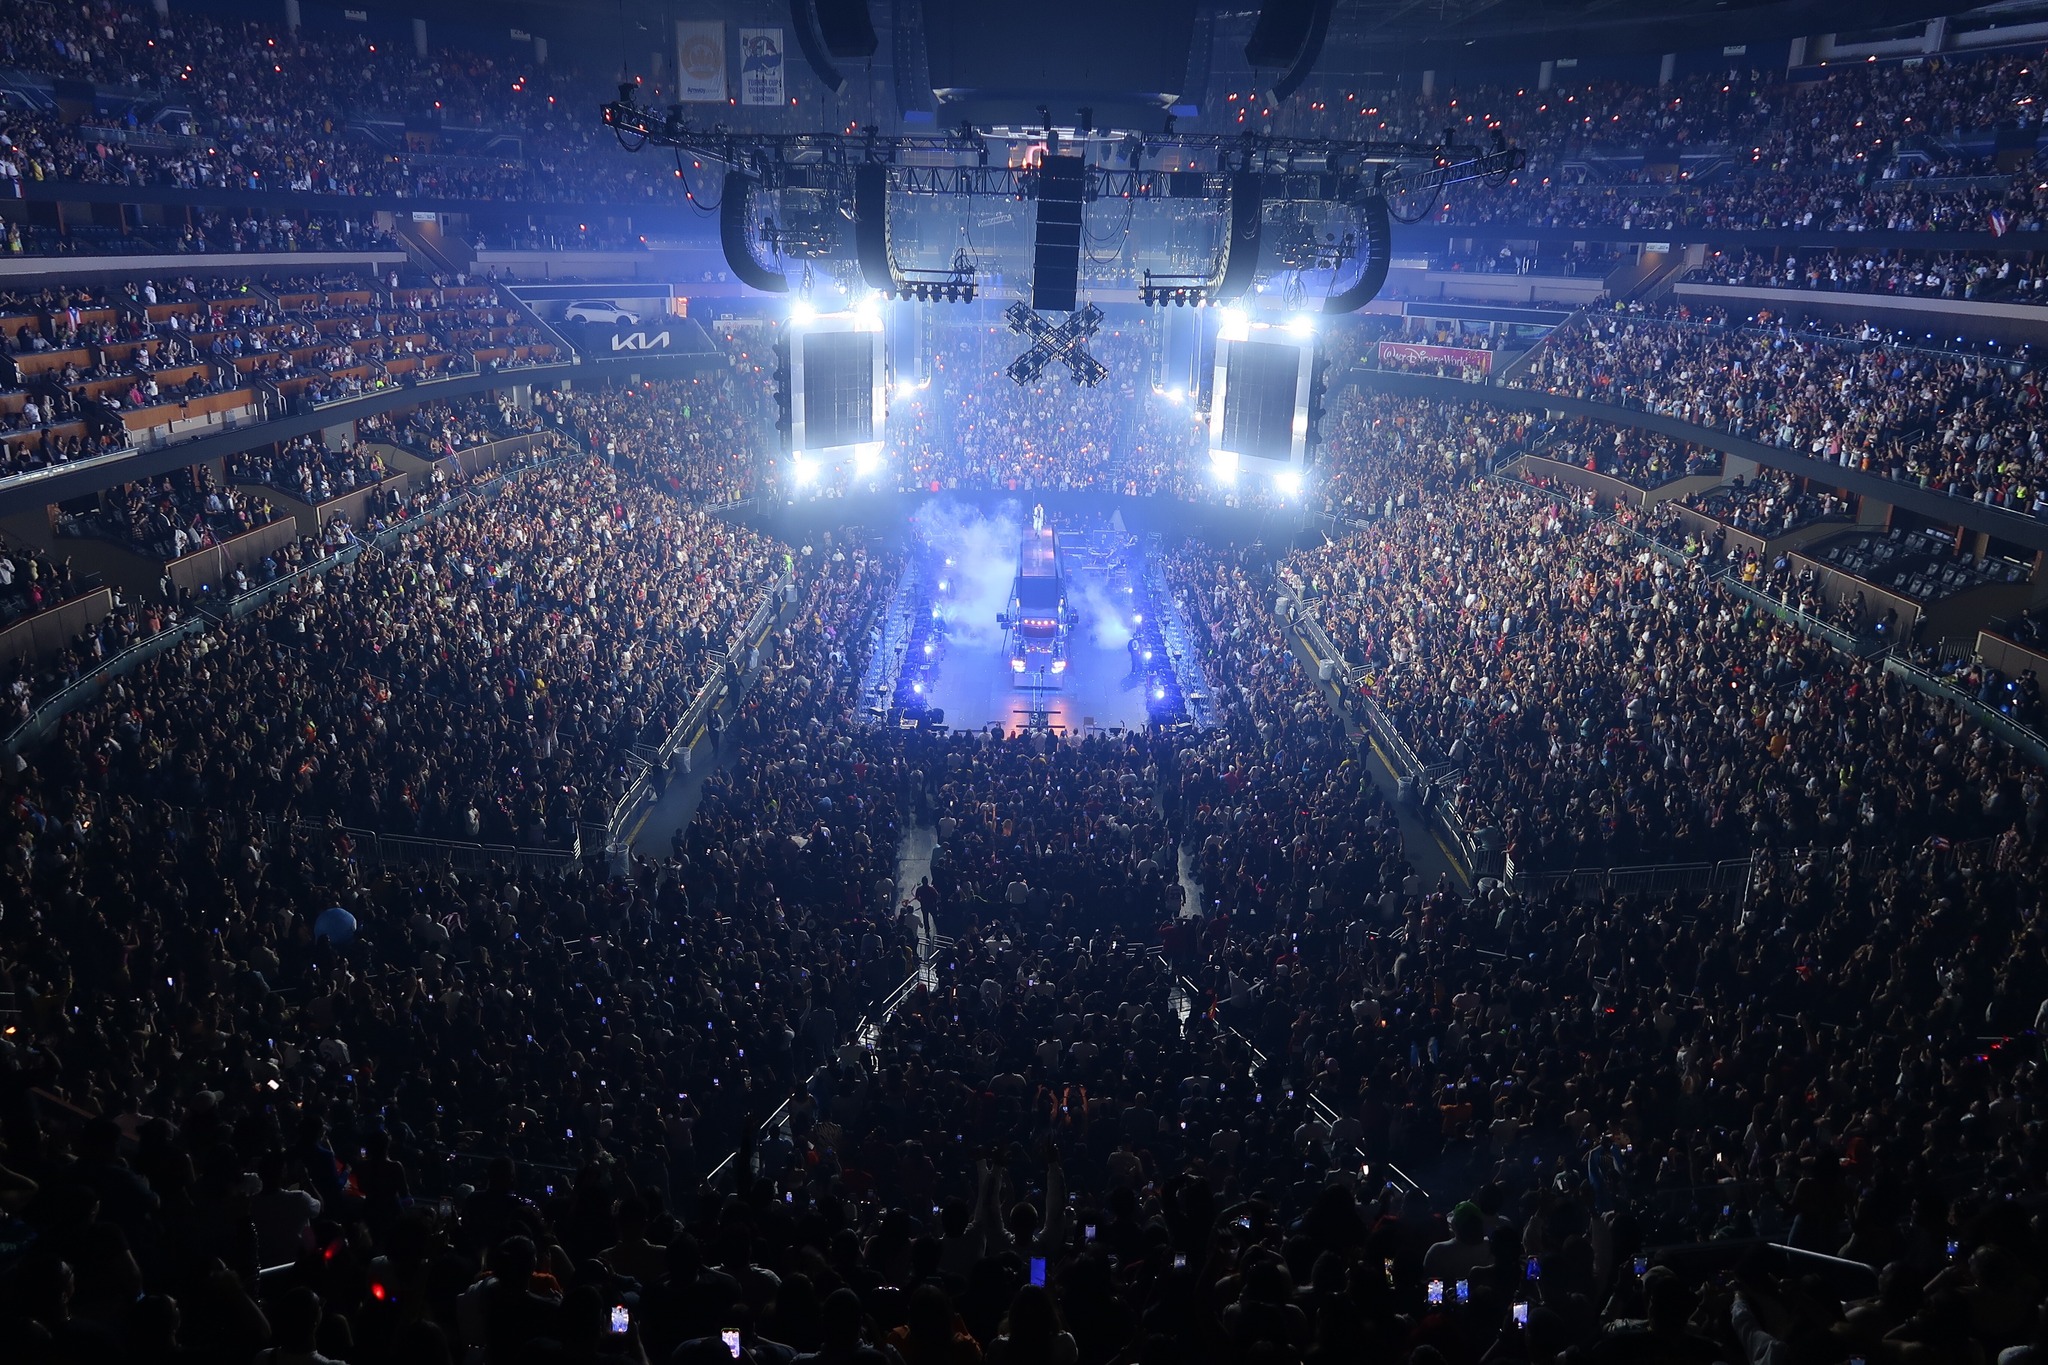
801 313
1301 325
1287 483
804 471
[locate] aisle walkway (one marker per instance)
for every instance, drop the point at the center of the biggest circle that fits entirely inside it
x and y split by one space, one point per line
1424 848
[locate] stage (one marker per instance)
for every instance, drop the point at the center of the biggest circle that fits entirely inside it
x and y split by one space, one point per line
947 656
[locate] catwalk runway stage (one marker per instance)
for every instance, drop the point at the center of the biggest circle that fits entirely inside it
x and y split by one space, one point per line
946 653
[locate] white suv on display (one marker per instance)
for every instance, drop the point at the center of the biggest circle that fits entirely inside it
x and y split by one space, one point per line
598 311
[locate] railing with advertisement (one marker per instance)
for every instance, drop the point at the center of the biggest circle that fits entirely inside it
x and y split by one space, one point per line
1402 354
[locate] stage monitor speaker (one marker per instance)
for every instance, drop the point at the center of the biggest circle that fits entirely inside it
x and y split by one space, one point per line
1056 255
1247 228
1379 252
733 224
871 226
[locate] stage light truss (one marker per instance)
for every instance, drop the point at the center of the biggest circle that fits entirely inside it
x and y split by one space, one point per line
1299 170
958 285
1065 342
1180 291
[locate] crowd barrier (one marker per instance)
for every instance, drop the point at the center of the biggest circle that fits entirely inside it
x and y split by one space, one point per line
864 1034
615 835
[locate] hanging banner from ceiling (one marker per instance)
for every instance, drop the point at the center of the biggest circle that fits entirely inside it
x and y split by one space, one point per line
761 67
700 61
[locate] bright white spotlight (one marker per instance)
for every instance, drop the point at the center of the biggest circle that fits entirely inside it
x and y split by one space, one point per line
801 312
1016 665
1287 483
1159 694
1137 618
918 688
1176 396
867 458
1302 325
1059 665
1233 325
869 309
803 472
1223 464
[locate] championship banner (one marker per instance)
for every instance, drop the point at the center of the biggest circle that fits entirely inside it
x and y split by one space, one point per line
1409 353
761 67
700 61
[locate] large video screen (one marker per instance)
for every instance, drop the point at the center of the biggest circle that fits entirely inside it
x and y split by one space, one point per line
839 389
1260 381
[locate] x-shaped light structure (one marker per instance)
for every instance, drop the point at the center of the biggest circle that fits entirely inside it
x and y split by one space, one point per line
1066 343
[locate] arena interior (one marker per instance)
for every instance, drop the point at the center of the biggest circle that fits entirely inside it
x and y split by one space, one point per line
887 682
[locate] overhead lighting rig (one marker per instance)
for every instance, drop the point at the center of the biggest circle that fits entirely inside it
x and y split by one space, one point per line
1301 170
1180 291
957 285
1066 342
816 175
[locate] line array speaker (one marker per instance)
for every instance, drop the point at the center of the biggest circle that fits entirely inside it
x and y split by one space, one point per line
734 218
1056 257
871 226
1247 228
1379 251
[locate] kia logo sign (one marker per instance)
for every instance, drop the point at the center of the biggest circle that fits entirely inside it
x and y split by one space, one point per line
640 341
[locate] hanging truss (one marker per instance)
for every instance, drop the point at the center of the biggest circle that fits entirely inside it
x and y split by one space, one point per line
1301 170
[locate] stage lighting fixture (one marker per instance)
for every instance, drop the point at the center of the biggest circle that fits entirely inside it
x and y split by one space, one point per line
1301 325
1059 665
803 471
801 312
1223 464
1287 483
1016 665
869 308
867 459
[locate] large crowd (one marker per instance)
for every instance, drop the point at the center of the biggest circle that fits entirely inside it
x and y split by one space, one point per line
1959 422
976 428
220 102
1932 275
1189 1047
378 1111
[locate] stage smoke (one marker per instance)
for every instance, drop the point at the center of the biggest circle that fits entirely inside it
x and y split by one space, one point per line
983 548
1106 620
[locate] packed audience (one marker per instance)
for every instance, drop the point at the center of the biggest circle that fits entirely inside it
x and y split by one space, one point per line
976 428
1938 275
699 437
220 102
1958 422
1238 1118
171 516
